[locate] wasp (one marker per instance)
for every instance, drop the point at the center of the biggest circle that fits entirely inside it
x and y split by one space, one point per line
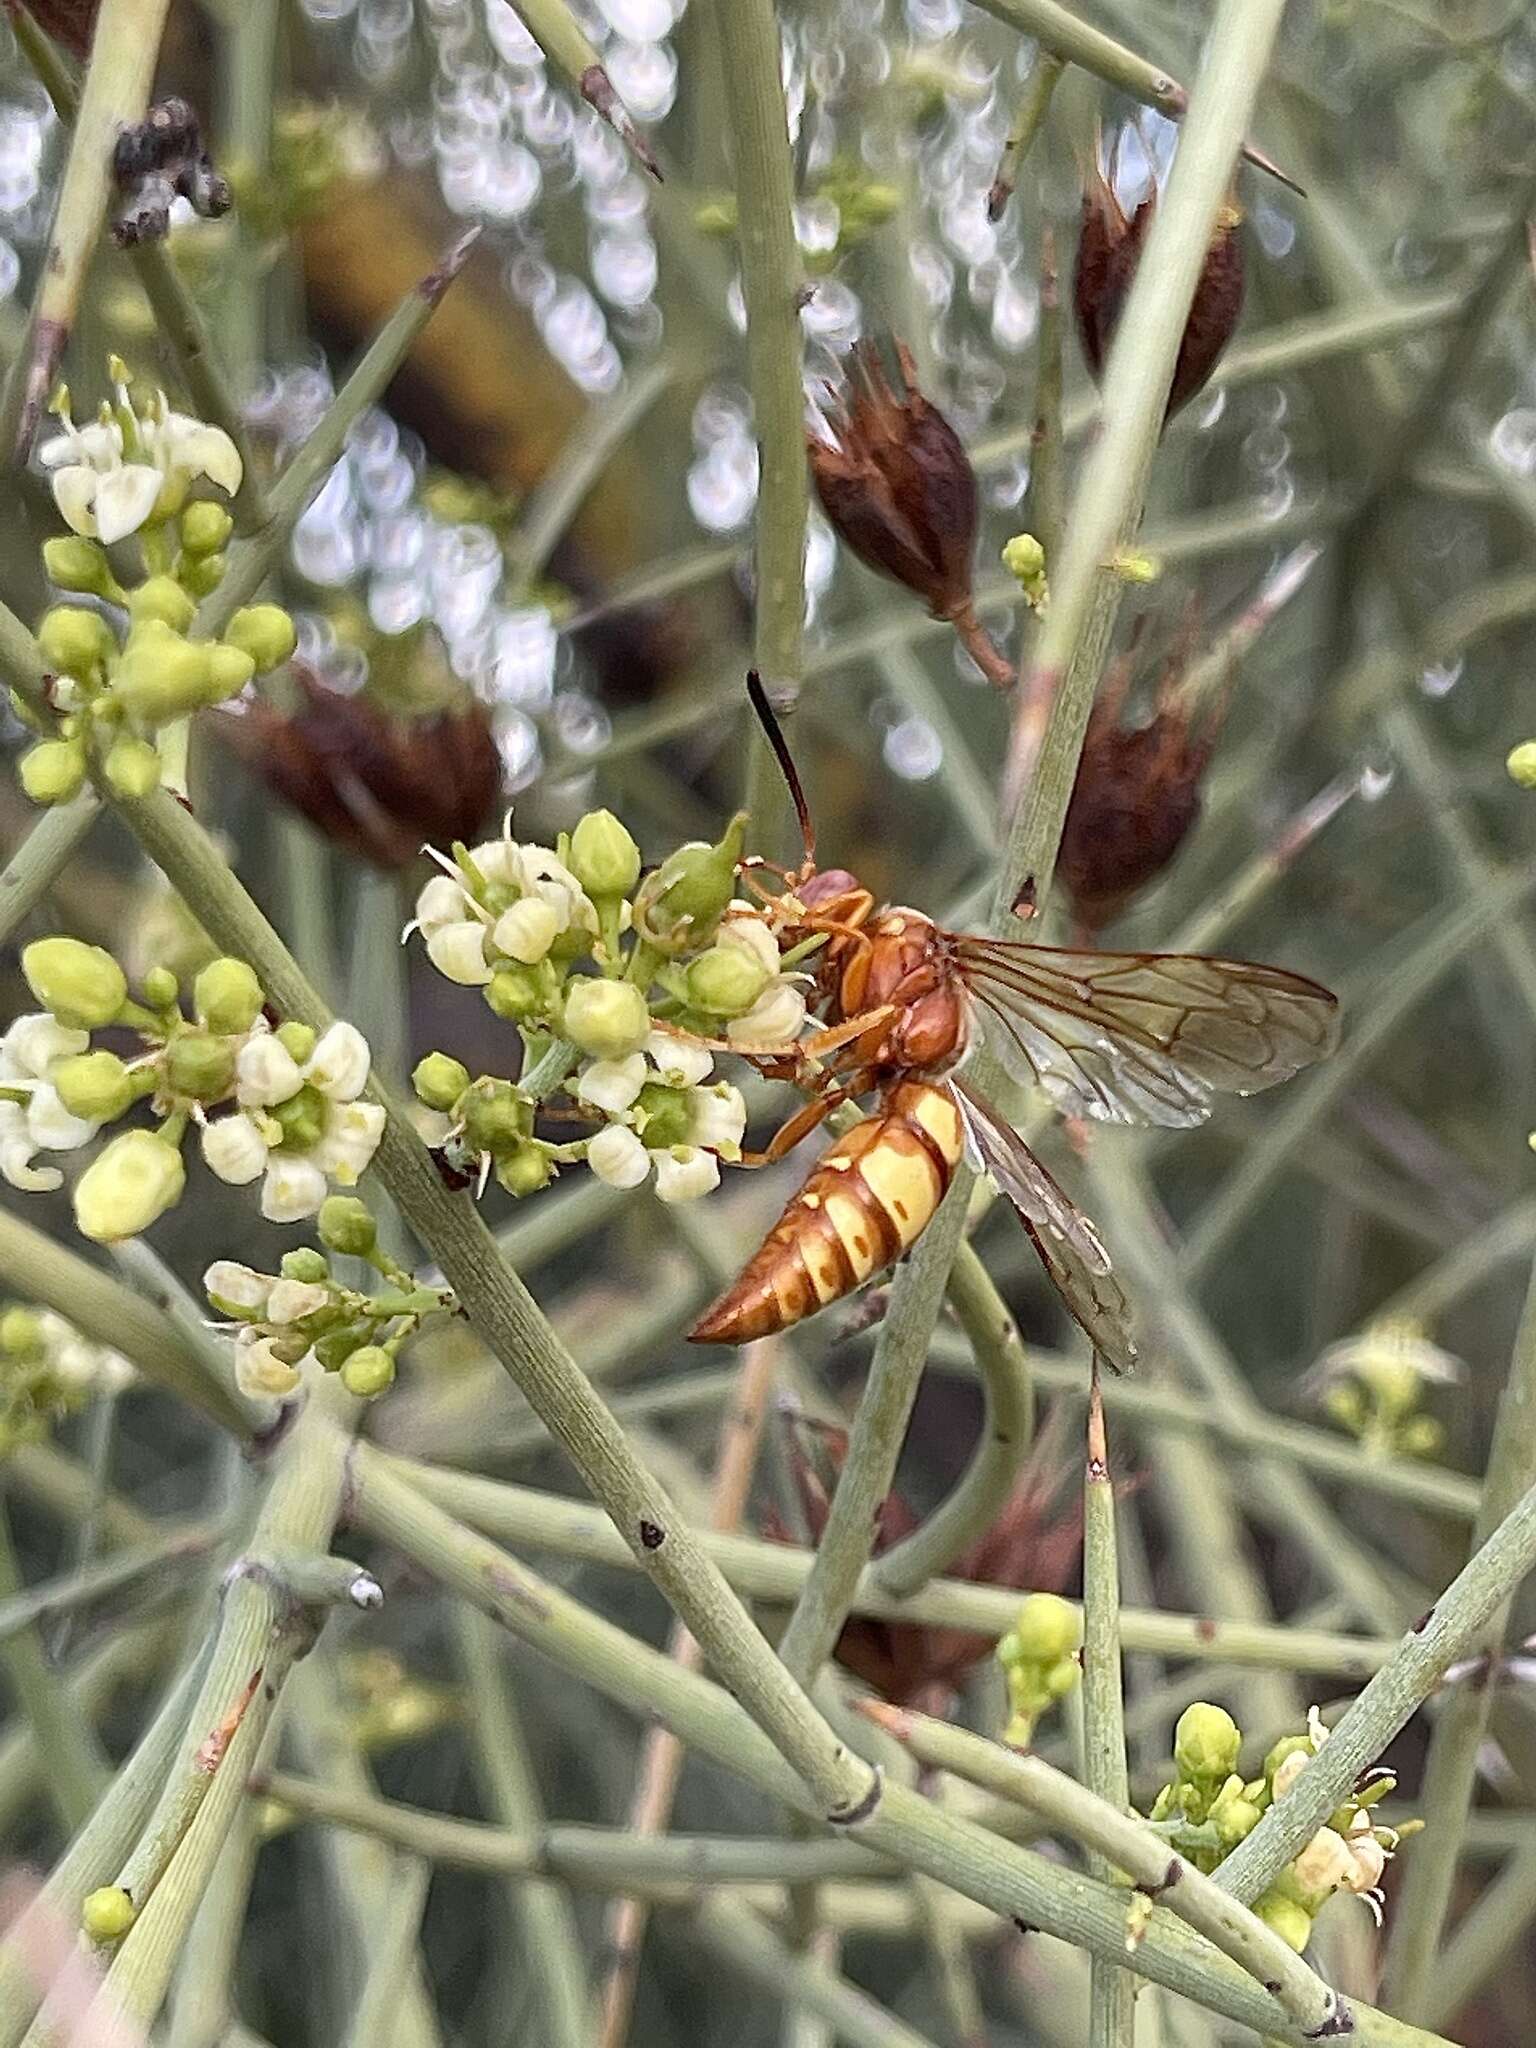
1127 1038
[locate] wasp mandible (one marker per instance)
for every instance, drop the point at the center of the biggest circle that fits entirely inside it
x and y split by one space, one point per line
1129 1038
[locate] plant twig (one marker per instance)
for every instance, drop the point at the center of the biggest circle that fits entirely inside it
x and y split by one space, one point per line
1111 1989
50 845
93 1581
392 1952
75 1768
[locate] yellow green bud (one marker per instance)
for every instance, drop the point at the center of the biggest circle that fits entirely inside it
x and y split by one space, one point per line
53 771
205 528
1235 1818
264 632
1024 559
75 563
21 1331
496 1118
608 1019
161 676
1047 1628
301 1119
93 1084
1421 1437
74 641
297 1040
604 857
439 1081
200 573
305 1265
1521 763
161 988
229 670
1288 1745
199 1065
1293 1923
162 598
1132 565
125 1188
666 1116
133 768
515 993
726 981
695 884
346 1225
1206 1742
368 1371
82 985
107 1913
525 1171
226 995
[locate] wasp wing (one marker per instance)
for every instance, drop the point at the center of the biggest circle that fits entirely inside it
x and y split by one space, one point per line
1144 1038
1070 1248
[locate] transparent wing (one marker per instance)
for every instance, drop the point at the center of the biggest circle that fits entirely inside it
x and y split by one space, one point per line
1144 1038
1070 1249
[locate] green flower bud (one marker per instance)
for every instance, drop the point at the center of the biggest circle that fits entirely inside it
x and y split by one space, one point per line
74 563
74 641
496 1118
82 985
368 1371
604 858
347 1225
205 528
1233 1819
1284 1917
667 1116
516 993
1288 1745
93 1084
52 771
305 1265
161 676
133 768
1061 1676
298 1040
199 1065
608 1019
107 1913
525 1171
439 1081
226 996
726 981
334 1349
21 1331
162 598
161 988
201 574
302 1119
229 670
1421 1437
1047 1628
125 1188
1023 557
1206 1742
695 883
264 632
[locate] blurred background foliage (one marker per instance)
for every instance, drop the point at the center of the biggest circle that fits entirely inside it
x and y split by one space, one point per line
549 516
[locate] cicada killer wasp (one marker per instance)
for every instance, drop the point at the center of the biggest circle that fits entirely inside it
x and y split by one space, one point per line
1128 1038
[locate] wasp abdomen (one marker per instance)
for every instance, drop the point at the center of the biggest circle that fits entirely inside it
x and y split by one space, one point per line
867 1199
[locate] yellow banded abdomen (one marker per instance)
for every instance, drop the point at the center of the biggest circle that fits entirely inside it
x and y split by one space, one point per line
866 1201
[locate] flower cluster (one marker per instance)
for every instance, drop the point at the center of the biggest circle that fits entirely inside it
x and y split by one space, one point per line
622 987
47 1371
1207 1808
275 1104
304 1314
1041 1656
123 665
1373 1384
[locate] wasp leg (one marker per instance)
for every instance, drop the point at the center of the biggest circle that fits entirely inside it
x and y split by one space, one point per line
805 1120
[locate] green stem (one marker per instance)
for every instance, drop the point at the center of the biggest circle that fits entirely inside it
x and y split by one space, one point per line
1034 105
50 845
75 1769
93 1581
391 1953
1486 1933
1111 1988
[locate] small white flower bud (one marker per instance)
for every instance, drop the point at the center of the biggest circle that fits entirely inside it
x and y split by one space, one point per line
259 1371
352 1134
291 1190
339 1064
684 1173
611 1085
50 1124
617 1156
291 1300
608 1019
32 1042
719 1119
775 1018
680 1064
234 1149
527 930
266 1072
237 1290
457 951
1325 1865
440 902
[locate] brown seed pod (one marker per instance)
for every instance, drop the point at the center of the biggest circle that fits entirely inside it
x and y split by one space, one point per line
899 490
378 785
1109 249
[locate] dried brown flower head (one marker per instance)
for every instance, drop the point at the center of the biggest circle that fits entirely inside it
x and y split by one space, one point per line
1137 791
899 490
378 785
1108 251
1034 1542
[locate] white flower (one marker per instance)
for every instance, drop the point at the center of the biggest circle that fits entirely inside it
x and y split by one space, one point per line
234 1149
1288 1770
266 1072
745 927
109 476
187 448
33 1042
617 1156
774 1019
678 1063
291 1300
457 951
527 930
1325 1865
684 1172
16 1150
1368 1856
241 1289
339 1064
349 1141
50 1125
497 859
612 1085
719 1119
41 1123
259 1370
544 875
292 1188
440 902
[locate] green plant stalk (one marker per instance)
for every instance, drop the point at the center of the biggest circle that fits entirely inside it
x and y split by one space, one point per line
512 1325
152 1279
1450 1773
775 1572
115 95
1111 1988
25 670
555 28
51 843
771 276
67 1488
1257 875
75 1768
93 1581
1451 1630
34 1265
201 1996
1484 1937
897 1821
1124 1842
392 1953
542 1922
1034 105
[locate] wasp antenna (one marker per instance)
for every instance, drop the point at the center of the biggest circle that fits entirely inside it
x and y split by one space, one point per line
774 732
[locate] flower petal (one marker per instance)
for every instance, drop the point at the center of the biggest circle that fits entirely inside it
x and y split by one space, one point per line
339 1064
617 1157
235 1150
683 1173
74 492
611 1085
125 497
292 1189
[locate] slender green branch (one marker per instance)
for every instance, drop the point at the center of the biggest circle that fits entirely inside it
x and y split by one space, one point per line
1111 1988
1034 105
1484 1937
50 845
560 35
392 1953
93 1581
75 1768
